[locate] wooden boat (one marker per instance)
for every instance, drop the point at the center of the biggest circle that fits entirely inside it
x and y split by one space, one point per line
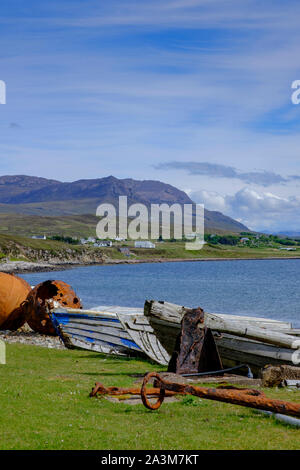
110 330
252 340
152 333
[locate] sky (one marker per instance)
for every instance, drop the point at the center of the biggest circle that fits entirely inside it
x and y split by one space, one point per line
194 93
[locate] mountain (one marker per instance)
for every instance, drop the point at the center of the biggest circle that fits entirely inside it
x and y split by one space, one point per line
13 186
288 234
30 195
20 190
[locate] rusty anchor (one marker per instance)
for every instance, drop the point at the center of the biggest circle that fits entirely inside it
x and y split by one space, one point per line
101 390
243 397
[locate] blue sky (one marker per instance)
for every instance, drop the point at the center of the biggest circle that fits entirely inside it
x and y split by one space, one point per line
195 93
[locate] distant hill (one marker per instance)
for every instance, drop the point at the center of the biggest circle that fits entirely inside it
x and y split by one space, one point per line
33 196
289 234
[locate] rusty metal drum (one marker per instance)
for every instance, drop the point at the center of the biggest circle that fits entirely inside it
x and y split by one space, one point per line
42 297
13 295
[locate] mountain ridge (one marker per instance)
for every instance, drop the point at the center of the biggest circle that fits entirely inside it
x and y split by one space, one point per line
37 196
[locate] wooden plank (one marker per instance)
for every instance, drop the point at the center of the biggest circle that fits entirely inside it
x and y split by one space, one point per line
143 335
254 347
267 322
89 321
100 337
166 315
250 331
173 313
119 333
100 348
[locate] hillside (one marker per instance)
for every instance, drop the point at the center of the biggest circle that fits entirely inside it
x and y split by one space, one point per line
47 251
32 196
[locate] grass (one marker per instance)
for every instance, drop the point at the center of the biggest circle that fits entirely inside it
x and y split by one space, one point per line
45 405
67 225
18 248
172 250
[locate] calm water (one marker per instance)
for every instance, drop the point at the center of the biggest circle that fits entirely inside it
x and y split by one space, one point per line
265 288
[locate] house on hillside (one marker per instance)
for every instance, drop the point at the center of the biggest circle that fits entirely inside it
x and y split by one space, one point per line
144 244
103 243
125 251
287 248
39 237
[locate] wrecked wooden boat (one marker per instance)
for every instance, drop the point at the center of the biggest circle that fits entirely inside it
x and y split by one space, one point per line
110 330
240 339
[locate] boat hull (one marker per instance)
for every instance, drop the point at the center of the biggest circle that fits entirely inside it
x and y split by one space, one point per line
109 330
165 320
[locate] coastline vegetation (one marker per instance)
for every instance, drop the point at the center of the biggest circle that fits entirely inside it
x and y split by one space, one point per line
67 249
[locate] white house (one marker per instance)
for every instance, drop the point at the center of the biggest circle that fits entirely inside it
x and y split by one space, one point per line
144 244
39 237
103 243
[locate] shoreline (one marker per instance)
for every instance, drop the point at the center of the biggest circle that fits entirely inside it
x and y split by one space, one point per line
25 267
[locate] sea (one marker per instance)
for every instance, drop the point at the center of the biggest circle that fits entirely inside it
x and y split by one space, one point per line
265 288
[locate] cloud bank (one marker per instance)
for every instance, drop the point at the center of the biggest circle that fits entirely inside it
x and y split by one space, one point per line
263 178
257 210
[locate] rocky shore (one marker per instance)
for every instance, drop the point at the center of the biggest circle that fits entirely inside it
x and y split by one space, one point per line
26 336
23 267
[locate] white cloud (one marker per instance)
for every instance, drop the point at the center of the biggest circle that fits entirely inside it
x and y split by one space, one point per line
258 210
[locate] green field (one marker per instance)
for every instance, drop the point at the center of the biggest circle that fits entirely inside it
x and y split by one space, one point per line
169 250
45 405
67 225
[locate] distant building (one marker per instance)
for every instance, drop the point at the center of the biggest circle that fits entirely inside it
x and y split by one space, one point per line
244 240
103 243
286 248
144 244
39 237
125 251
84 241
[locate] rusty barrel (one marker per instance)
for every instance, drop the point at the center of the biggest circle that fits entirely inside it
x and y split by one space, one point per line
13 294
41 297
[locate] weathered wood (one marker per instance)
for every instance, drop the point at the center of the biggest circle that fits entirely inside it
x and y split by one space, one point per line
254 341
110 325
170 315
254 347
143 335
97 347
173 313
195 349
107 330
102 337
252 332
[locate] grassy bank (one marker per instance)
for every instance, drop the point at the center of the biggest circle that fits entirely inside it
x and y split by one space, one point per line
171 250
14 248
45 405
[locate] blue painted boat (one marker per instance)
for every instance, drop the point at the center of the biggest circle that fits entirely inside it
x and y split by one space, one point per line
110 330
